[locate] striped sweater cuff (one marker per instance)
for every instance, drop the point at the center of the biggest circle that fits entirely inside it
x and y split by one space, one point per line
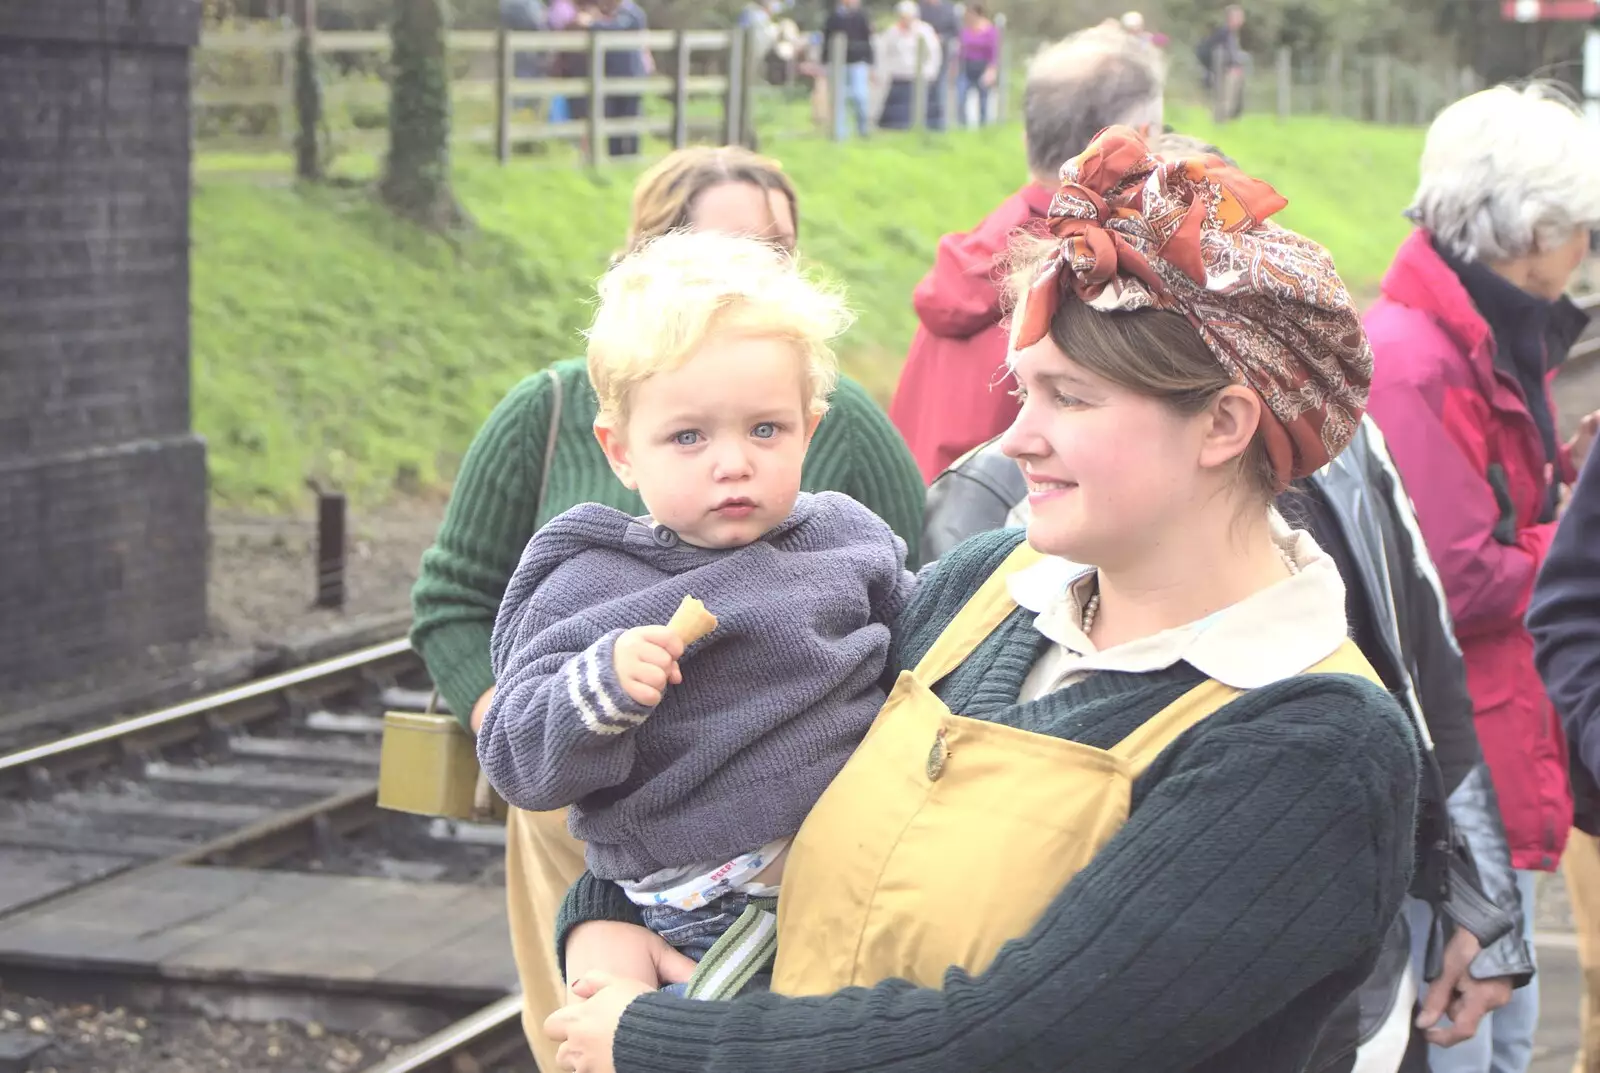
596 693
591 898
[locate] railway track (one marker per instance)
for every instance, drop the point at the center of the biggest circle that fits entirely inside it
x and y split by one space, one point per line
248 777
274 778
479 1041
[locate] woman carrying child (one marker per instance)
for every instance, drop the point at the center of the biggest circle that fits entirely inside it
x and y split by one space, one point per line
536 457
1153 815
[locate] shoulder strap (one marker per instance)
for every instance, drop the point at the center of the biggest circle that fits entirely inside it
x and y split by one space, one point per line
978 618
1150 740
550 437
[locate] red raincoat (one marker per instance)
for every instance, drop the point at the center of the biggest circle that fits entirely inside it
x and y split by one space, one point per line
952 394
1474 465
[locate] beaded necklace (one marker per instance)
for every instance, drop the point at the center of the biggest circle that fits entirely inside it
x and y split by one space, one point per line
1092 606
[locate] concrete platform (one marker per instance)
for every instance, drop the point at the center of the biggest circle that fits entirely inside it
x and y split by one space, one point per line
287 930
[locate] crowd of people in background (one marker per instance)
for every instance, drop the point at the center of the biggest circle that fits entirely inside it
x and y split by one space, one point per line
952 49
1423 528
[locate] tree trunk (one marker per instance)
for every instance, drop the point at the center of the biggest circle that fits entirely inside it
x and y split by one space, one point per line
416 179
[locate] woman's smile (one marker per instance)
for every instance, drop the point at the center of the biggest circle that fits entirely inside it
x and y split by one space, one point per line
1044 489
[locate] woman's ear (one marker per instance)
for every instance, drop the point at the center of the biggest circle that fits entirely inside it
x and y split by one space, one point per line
616 451
1233 418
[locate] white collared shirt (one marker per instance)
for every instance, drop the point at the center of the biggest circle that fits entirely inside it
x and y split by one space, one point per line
1269 636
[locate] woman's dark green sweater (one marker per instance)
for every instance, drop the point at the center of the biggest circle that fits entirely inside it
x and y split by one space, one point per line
1264 859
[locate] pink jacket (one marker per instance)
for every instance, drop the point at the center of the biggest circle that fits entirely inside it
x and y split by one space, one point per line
1461 434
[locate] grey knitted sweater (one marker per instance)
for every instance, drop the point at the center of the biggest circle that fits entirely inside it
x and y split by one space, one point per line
771 705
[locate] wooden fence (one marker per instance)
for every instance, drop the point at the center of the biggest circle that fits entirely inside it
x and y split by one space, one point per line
489 102
1373 88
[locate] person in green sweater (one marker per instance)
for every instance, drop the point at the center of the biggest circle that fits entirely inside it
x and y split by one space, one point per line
1152 815
537 457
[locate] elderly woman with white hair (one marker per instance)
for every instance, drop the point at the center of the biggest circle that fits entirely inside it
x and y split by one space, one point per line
1470 326
904 47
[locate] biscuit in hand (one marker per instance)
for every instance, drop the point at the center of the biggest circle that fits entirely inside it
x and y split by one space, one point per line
691 621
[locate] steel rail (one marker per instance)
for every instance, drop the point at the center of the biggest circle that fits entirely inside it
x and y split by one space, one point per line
259 689
489 1035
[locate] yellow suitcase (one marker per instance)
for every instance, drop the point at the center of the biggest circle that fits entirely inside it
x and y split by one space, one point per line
429 767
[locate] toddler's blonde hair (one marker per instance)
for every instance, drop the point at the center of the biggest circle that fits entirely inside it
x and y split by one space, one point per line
666 299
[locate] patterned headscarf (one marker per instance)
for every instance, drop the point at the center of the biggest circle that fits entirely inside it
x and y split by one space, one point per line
1192 235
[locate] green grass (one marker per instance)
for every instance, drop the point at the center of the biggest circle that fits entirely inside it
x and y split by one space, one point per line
333 342
1347 182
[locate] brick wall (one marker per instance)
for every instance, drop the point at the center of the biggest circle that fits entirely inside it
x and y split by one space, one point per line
102 484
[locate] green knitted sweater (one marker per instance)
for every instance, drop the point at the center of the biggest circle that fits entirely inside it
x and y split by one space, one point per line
1264 858
495 508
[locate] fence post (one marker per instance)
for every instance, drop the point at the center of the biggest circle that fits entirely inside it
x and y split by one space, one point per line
289 83
302 62
834 67
1002 65
1334 94
680 91
731 119
1285 82
834 56
919 87
1219 86
597 99
747 86
502 95
1380 89
330 549
949 61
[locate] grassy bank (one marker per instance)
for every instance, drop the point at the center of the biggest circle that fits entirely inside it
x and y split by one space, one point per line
331 341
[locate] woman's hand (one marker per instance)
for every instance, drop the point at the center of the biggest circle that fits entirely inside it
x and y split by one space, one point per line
587 1030
623 952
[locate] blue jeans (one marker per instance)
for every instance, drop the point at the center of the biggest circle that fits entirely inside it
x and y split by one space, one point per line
970 78
857 90
1504 1043
695 931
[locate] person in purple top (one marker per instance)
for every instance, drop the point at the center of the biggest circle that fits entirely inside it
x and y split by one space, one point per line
980 56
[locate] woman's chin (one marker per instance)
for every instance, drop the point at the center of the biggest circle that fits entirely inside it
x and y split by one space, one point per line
1054 539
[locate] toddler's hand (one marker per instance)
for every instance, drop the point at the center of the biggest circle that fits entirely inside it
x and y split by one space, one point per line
646 661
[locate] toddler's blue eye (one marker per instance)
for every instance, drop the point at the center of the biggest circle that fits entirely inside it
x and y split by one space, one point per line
686 439
765 431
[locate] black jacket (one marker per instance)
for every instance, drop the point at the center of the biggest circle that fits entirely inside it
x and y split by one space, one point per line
852 22
1564 618
1356 509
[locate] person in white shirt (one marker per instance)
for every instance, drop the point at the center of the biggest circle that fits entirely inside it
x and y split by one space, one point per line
903 48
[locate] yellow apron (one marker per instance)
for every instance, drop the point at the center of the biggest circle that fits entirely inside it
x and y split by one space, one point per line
542 861
944 836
